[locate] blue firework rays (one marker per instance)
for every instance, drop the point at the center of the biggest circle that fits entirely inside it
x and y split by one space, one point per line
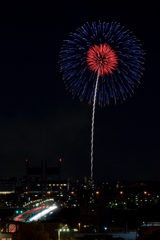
80 79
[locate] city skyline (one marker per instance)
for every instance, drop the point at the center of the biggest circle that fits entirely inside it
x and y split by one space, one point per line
38 118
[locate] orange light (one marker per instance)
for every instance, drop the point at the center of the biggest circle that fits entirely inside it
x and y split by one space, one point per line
26 160
97 192
121 192
60 160
145 192
79 225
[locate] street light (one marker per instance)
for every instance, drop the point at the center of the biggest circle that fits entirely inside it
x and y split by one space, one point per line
65 229
62 230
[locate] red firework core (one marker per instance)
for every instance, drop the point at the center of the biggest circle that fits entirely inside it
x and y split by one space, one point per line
102 59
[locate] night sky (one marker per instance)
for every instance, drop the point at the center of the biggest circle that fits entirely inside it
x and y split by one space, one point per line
38 118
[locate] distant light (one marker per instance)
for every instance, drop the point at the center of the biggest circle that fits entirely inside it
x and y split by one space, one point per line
75 230
7 192
26 160
105 228
60 160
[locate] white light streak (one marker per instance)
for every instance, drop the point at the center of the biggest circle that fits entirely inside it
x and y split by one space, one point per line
41 214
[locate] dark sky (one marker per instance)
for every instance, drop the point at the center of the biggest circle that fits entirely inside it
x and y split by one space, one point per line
38 118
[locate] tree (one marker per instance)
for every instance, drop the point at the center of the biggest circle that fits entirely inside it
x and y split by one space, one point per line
33 231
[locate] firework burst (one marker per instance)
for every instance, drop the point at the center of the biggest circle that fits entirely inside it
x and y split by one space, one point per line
109 49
